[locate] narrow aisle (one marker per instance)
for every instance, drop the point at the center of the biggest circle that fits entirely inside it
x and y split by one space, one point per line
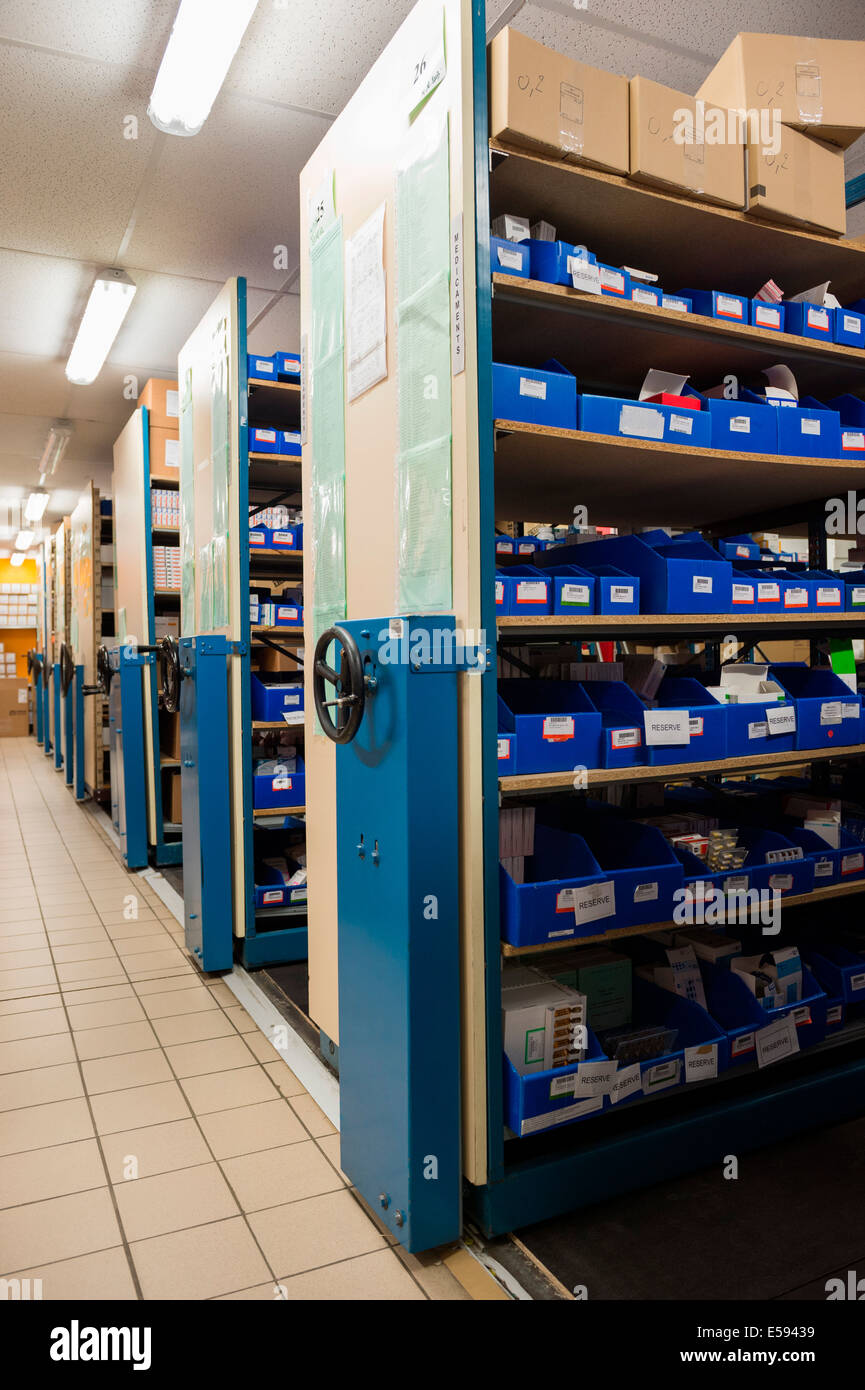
153 1144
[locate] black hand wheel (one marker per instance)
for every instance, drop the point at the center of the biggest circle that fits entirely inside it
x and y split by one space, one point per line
67 668
103 669
349 686
172 674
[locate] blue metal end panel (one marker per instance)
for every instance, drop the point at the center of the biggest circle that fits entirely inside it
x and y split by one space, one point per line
128 785
68 701
78 697
58 734
38 689
399 999
275 947
205 794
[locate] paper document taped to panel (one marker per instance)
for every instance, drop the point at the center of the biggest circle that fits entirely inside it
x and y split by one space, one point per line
366 306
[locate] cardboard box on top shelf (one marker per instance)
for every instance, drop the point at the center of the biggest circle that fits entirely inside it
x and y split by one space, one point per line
162 399
711 173
815 84
164 454
543 101
797 649
268 659
14 709
803 183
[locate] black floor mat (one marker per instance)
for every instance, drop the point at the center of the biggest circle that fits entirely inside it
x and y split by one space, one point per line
292 980
794 1217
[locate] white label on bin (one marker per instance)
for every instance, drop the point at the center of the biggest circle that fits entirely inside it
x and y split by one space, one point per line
298 895
831 712
766 316
558 728
783 856
536 389
613 280
511 260
272 895
576 595
817 318
264 436
828 597
802 1015
646 893
641 296
563 1086
559 1117
823 868
796 598
594 901
668 726
281 784
834 1014
852 439
776 1041
850 711
263 366
584 275
781 719
172 403
526 548
531 590
622 593
738 883
500 591
284 538
641 422
628 1081
740 424
744 1043
768 593
594 1078
504 750
702 584
809 426
664 1074
852 863
727 306
743 551
857 598
682 424
857 981
743 593
781 883
701 1062
669 301
565 900
625 738
852 323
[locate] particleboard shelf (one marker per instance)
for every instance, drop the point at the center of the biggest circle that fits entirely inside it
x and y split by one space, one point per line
594 626
673 772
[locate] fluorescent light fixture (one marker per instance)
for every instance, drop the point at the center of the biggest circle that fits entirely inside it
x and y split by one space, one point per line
204 40
56 444
18 558
107 307
24 540
34 509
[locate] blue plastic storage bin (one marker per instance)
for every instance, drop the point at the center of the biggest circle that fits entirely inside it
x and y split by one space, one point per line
545 1099
808 433
722 881
828 712
784 876
716 304
510 258
507 746
523 590
260 368
749 734
573 589
289 443
287 365
854 586
504 545
551 261
848 327
852 412
622 733
828 590
743 427
742 1015
556 725
738 548
642 293
272 891
264 441
547 396
615 282
275 694
640 864
831 865
707 723
543 907
286 537
630 419
677 302
695 1030
685 575
744 593
809 320
275 789
764 315
840 971
615 591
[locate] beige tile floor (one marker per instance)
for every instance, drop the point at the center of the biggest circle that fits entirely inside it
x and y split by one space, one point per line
153 1144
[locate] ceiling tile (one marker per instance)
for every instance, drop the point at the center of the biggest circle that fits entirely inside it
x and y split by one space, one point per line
124 31
39 296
